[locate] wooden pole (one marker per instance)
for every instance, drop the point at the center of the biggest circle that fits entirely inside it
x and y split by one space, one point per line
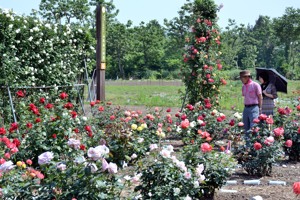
100 52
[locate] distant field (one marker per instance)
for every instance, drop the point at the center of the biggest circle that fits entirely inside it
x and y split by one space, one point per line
165 93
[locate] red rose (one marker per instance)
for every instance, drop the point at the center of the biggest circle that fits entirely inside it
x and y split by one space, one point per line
112 117
92 103
183 117
205 147
298 130
98 101
168 110
219 119
101 108
42 100
281 111
68 105
20 93
54 136
298 107
16 142
49 106
219 66
63 95
2 131
278 131
222 148
232 122
74 114
296 188
82 147
38 120
257 146
88 128
288 143
13 126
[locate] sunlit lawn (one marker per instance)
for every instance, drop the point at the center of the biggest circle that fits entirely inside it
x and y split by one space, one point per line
168 96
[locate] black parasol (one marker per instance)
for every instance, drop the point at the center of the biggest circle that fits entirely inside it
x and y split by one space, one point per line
277 79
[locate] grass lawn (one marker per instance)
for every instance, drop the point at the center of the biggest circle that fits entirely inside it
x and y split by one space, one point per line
165 95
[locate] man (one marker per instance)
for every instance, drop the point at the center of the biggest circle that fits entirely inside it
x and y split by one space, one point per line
252 100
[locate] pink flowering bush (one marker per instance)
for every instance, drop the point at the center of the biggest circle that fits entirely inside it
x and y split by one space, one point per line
202 121
289 119
262 149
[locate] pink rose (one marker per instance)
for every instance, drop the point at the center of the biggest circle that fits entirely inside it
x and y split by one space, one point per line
288 143
185 124
240 124
257 146
256 121
278 131
205 147
269 140
112 168
269 120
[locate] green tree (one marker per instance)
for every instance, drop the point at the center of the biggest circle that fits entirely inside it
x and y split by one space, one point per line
287 29
64 10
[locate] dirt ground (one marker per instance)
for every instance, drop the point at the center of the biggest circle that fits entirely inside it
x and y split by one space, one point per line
288 172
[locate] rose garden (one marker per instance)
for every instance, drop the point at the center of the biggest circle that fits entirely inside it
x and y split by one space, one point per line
51 149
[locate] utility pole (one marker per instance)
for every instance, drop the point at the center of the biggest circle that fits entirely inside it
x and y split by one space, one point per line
100 52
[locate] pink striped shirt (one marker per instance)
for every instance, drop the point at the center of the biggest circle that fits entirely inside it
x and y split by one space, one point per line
251 90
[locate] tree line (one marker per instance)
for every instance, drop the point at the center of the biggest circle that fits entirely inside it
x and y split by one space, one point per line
155 51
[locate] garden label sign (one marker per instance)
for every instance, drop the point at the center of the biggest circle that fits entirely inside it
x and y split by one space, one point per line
100 52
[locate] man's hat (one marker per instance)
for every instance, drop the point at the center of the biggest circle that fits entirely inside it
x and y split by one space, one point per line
245 73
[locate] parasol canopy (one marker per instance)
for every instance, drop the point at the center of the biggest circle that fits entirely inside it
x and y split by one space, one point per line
277 79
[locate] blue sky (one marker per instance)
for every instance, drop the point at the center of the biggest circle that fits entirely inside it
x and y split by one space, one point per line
243 11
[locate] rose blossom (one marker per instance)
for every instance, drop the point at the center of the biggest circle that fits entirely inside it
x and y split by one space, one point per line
7 166
257 146
288 143
61 166
104 164
112 168
74 143
153 146
240 124
269 140
296 188
187 175
205 147
185 124
269 120
97 152
278 131
45 158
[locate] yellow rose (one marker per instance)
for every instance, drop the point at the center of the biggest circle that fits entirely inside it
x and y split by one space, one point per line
144 125
133 126
19 163
24 165
140 128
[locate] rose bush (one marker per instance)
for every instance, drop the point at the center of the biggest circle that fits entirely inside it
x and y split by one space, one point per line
129 133
289 119
262 149
188 174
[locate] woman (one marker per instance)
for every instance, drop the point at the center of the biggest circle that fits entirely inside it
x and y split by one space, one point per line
269 93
